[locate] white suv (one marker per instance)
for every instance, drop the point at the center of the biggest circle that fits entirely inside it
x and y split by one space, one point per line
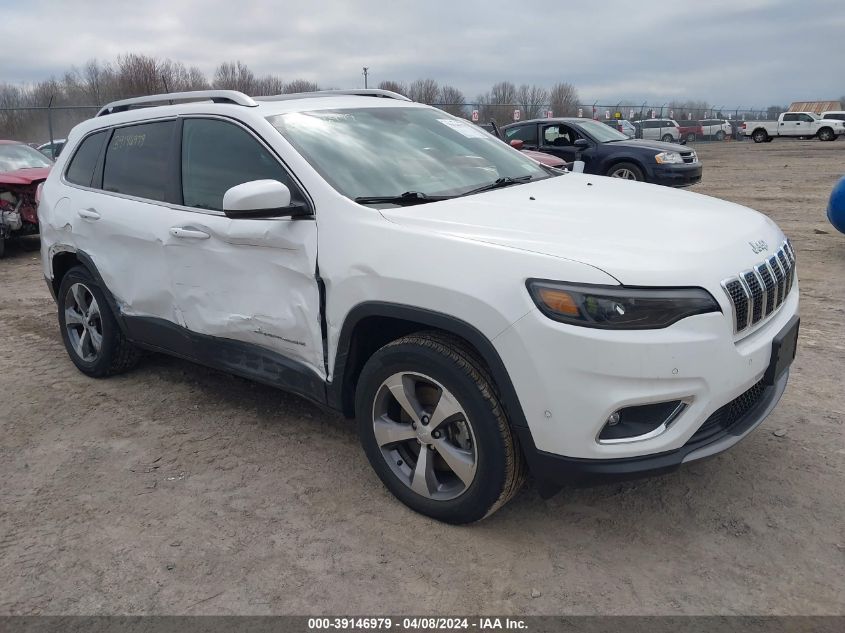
666 130
481 316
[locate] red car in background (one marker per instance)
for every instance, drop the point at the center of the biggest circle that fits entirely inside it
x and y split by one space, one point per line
690 130
22 169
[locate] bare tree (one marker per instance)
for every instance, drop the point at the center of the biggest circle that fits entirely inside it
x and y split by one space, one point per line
268 85
563 99
300 85
424 91
234 76
393 86
532 100
501 102
451 100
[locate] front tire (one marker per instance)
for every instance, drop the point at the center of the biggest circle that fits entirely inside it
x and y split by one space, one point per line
826 134
433 429
626 171
91 335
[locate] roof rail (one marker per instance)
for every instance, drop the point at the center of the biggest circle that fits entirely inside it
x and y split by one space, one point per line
217 96
365 92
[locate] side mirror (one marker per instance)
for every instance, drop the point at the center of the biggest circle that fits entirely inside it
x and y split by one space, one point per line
260 199
517 143
581 144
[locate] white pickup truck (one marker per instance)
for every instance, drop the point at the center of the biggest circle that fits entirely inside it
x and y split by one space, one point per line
794 124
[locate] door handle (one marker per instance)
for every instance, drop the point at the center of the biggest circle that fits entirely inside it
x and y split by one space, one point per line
193 234
88 214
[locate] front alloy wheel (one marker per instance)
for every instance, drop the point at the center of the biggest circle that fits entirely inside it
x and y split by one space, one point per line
433 428
425 436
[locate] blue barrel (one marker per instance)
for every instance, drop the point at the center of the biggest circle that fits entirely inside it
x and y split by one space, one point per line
836 206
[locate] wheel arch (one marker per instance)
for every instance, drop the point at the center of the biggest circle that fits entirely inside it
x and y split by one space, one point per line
826 128
634 160
64 260
370 325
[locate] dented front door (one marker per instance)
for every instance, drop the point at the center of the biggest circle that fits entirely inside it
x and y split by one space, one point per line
248 280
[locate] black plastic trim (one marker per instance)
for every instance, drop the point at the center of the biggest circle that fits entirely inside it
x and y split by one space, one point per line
429 318
235 357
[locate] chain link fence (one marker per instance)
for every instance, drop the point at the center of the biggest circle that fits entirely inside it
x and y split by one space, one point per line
42 124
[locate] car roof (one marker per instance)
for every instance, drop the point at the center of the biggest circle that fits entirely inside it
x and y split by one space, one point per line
262 107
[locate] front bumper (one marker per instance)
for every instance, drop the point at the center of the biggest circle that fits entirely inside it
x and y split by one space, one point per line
677 175
553 471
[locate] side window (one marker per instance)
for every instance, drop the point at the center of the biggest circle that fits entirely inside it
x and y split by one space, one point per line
526 133
81 168
137 160
649 124
216 156
790 117
806 118
559 135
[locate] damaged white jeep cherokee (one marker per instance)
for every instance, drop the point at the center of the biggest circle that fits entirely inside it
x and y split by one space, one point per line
481 316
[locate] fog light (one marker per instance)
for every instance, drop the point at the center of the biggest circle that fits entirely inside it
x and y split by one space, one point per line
641 422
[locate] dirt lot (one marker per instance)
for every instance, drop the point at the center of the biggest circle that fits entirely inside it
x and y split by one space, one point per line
176 489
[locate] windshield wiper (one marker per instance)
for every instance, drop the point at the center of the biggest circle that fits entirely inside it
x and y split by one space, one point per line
504 181
407 198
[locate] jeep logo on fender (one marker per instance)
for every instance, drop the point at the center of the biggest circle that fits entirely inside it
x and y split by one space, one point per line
759 246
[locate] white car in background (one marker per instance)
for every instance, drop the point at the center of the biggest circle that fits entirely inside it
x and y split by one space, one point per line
716 129
839 115
481 315
666 130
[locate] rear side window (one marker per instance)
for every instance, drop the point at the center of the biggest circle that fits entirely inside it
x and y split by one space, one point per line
81 168
525 133
137 160
216 156
790 117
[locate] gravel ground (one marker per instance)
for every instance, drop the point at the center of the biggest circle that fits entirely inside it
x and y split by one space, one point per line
179 490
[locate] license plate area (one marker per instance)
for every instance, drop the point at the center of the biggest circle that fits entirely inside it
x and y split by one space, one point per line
784 346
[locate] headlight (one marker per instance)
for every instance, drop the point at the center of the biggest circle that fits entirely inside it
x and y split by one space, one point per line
667 158
618 307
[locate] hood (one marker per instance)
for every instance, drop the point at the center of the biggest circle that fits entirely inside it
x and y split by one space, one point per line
640 234
24 176
656 146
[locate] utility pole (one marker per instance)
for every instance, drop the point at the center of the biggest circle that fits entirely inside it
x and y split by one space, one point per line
365 76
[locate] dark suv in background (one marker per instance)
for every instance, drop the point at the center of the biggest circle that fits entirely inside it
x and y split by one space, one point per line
606 152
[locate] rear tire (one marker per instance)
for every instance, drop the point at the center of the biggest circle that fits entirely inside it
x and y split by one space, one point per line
668 138
691 137
626 171
760 136
91 335
720 136
459 468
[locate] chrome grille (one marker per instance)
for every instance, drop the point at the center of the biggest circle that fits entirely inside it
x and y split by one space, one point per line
758 292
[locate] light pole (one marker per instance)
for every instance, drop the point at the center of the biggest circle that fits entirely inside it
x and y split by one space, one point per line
365 76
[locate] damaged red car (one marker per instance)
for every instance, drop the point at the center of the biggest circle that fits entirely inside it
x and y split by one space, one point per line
22 169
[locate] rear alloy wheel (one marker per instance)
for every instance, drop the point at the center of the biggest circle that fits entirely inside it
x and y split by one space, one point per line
626 171
760 136
434 431
668 138
826 134
91 335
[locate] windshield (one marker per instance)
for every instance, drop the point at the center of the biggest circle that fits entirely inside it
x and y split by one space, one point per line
601 132
14 156
387 151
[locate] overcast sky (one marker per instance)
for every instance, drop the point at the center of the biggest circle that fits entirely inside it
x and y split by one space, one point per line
737 53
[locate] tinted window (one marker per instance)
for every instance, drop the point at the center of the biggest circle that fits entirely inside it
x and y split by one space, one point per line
790 117
835 115
217 156
526 133
650 124
805 117
81 168
137 160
